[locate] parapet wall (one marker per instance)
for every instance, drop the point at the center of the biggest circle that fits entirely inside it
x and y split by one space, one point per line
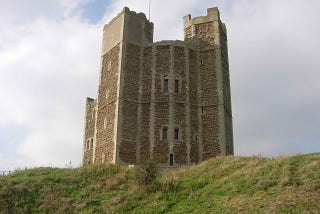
127 10
90 119
212 15
127 26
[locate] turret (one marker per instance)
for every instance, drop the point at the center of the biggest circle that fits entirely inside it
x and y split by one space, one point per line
127 26
206 29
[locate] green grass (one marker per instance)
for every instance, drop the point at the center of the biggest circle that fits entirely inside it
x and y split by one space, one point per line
219 185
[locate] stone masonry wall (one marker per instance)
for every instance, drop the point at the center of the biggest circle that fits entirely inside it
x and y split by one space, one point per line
226 91
206 33
129 103
107 98
179 71
193 93
209 105
145 149
188 32
90 119
162 65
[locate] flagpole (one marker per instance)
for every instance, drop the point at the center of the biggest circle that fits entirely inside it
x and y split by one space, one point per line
149 8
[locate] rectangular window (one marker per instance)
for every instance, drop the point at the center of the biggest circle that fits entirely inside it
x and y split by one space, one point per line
176 134
176 86
171 159
166 86
165 134
88 145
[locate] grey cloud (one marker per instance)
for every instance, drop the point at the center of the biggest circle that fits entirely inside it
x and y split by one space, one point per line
44 80
274 76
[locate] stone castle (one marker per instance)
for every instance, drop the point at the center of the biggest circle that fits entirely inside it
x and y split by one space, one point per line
167 101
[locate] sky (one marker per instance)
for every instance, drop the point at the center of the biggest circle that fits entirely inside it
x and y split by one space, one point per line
49 63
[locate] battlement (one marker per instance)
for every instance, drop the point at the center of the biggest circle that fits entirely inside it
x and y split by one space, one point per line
127 26
213 14
89 99
126 10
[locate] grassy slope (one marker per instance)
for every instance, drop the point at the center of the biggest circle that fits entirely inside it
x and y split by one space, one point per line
219 185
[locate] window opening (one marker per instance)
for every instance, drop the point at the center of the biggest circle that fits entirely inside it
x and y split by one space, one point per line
165 133
171 159
166 85
176 134
87 145
176 86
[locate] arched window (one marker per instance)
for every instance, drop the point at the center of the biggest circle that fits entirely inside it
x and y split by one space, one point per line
91 144
165 133
176 86
176 134
87 145
165 87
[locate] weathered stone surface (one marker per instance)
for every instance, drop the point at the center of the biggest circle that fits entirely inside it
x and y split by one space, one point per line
106 107
132 107
90 120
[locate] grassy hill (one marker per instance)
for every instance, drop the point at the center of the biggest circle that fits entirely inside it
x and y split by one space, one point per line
219 185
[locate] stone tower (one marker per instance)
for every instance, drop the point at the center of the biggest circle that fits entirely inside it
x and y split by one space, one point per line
167 101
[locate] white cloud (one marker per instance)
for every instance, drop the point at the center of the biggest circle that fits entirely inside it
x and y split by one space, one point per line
47 68
273 49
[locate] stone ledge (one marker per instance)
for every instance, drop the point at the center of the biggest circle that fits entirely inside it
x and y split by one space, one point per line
177 43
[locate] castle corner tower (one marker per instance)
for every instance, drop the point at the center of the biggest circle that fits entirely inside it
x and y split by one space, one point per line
214 80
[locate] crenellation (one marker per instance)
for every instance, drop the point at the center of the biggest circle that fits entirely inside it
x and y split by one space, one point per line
127 10
212 15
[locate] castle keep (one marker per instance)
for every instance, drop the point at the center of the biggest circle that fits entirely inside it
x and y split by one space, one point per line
167 101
